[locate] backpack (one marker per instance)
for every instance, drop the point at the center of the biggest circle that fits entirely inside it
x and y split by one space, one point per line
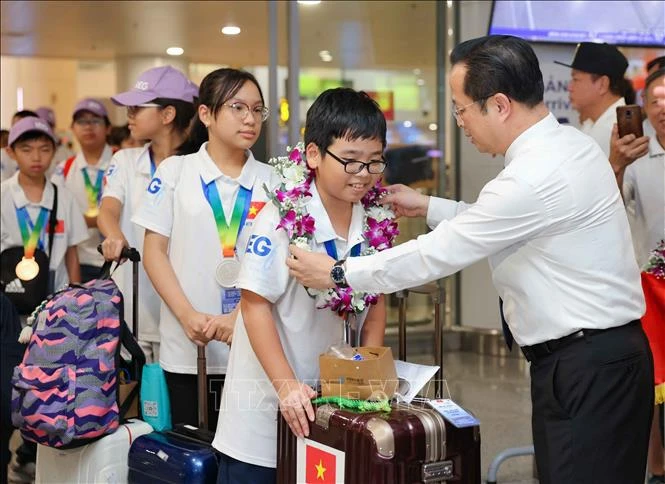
65 392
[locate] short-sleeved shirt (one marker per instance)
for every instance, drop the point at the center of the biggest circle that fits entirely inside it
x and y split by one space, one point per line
247 426
644 195
127 180
175 207
70 228
601 129
7 165
75 183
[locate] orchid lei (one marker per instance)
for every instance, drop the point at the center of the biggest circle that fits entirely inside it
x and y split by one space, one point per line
291 197
656 263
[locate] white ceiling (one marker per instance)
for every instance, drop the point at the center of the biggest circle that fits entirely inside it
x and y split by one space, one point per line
367 34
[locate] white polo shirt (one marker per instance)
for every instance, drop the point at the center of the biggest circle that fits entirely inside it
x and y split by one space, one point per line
554 228
7 165
70 228
247 426
644 196
175 207
74 182
127 180
601 129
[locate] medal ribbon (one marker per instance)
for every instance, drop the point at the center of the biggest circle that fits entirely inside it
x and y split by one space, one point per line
228 232
331 249
153 168
94 192
31 234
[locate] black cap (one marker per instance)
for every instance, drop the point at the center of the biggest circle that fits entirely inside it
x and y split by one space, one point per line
603 59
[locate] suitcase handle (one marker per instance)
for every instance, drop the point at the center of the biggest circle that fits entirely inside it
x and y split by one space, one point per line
133 255
438 296
202 376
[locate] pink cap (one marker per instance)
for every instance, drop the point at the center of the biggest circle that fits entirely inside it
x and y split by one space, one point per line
91 105
30 123
47 115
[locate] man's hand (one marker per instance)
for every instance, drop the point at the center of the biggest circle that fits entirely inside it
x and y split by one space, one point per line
295 405
406 201
311 269
221 327
623 151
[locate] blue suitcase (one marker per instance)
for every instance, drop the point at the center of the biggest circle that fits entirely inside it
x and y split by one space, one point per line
181 456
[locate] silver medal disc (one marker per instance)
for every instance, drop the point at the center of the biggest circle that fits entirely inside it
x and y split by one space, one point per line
227 272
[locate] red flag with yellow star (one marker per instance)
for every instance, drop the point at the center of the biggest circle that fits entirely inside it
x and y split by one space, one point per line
318 463
254 209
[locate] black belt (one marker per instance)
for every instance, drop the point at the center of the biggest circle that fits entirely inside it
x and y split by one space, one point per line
540 350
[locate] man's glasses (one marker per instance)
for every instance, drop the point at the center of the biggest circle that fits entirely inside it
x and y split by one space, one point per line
93 122
353 167
457 112
240 111
133 110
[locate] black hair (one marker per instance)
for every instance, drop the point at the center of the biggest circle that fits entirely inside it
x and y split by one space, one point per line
216 88
118 135
26 113
500 64
622 87
184 112
652 77
343 113
32 135
658 61
81 112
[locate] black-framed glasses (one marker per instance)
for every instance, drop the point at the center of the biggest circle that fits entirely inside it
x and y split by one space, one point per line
353 167
240 110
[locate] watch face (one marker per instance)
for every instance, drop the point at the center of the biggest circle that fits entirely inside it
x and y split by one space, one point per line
337 274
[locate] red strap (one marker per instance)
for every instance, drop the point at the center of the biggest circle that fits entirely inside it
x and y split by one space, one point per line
68 166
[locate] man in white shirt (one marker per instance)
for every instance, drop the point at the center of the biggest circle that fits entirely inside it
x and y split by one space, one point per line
597 87
555 231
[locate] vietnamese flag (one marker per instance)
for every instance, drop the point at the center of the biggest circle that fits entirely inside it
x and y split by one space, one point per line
320 466
59 227
254 209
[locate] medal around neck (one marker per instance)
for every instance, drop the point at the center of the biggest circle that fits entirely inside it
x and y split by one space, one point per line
92 212
27 269
227 272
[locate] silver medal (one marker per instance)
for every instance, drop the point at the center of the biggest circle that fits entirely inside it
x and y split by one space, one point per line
227 272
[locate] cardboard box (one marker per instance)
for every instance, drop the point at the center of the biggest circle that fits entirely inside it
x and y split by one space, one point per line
368 378
123 392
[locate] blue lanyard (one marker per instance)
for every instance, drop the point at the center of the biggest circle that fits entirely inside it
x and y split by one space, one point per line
27 227
331 249
153 168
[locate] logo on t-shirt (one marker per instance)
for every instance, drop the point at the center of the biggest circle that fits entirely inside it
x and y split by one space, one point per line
259 245
111 170
155 185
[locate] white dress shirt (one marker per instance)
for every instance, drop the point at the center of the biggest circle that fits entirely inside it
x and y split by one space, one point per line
644 196
601 129
554 228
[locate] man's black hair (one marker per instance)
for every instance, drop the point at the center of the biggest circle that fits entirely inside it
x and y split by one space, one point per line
345 114
500 64
25 113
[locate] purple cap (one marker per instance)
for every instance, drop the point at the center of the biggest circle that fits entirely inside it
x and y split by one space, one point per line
92 105
165 82
47 115
30 123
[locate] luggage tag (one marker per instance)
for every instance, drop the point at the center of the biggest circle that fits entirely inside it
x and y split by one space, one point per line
230 299
452 412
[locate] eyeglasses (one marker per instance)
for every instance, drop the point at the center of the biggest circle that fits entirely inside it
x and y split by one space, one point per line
240 111
94 122
133 110
457 112
353 167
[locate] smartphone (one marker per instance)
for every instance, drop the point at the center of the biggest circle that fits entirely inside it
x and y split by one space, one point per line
629 120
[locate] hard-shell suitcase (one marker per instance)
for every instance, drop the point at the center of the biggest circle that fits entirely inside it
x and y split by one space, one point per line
410 444
181 456
104 460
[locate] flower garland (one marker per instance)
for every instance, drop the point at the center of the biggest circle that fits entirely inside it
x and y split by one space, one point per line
656 263
291 197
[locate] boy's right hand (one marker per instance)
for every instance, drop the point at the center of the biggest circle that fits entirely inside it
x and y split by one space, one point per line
194 323
406 201
112 247
296 406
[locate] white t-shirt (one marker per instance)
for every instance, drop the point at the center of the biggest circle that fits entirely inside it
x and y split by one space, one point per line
247 426
7 165
644 196
75 183
175 207
601 129
70 228
127 180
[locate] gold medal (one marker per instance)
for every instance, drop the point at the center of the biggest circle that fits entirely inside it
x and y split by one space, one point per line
92 212
227 272
27 269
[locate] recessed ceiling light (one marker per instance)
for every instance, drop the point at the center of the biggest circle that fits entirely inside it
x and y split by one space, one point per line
175 51
309 2
420 82
326 58
407 124
230 30
433 127
324 52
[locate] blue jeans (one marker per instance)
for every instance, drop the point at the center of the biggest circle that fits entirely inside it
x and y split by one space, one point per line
232 471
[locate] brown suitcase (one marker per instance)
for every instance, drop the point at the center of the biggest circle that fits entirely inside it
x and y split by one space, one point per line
410 444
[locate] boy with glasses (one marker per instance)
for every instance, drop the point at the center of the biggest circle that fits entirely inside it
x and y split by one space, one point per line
83 175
